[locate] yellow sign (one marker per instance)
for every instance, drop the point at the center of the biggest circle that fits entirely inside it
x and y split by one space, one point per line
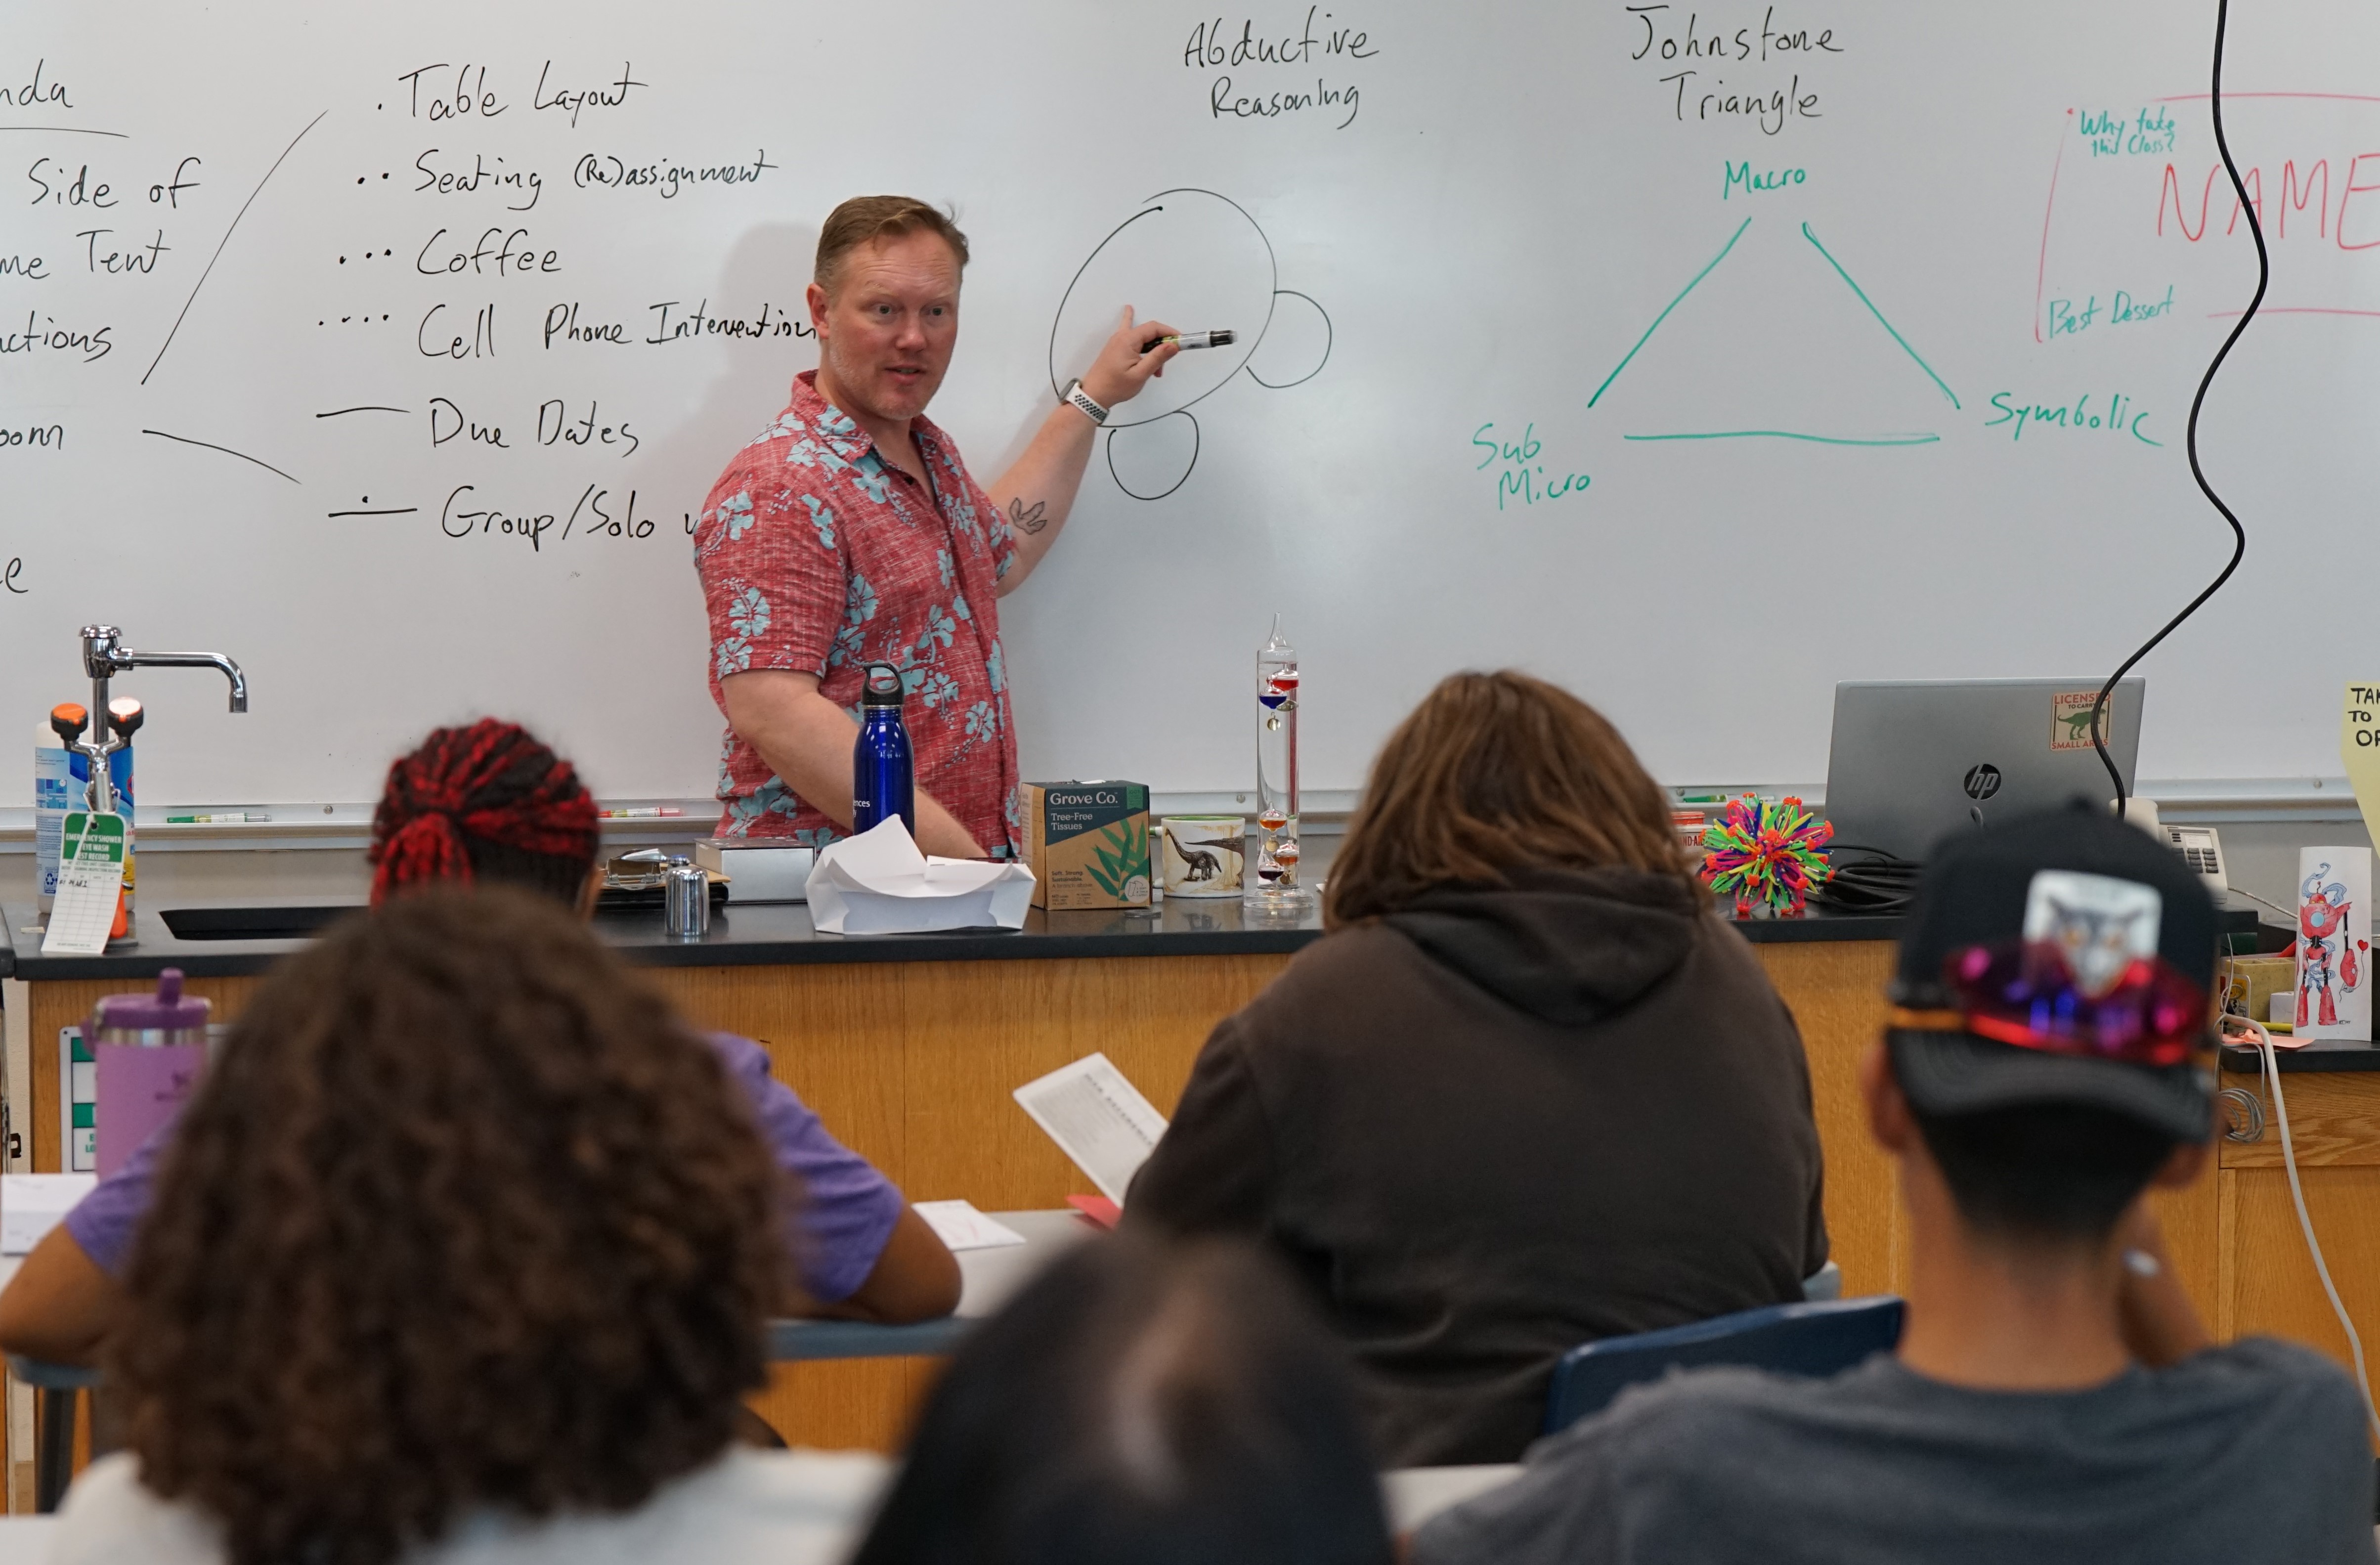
2358 747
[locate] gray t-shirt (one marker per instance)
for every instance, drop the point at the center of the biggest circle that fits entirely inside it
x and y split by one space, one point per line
2250 1452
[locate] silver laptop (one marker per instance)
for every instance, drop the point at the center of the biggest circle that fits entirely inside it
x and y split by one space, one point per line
1915 761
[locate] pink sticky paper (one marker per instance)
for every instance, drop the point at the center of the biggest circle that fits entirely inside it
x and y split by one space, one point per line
139 1089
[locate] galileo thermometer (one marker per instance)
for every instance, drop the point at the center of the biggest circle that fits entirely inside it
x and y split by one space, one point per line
1274 885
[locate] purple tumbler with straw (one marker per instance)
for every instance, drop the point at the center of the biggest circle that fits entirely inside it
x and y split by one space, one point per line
149 1049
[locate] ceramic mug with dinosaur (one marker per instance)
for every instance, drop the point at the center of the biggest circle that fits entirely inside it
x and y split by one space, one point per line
1203 855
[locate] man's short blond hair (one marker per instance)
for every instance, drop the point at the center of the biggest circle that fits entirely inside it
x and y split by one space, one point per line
863 220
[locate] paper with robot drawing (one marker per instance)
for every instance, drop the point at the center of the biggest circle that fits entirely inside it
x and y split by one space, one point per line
2335 943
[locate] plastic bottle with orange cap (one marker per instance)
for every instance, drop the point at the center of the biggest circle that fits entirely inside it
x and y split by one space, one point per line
61 775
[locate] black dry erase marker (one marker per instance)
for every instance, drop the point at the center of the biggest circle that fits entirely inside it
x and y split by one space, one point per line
1195 339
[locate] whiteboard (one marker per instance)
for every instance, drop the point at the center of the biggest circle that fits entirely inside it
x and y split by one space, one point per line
1488 264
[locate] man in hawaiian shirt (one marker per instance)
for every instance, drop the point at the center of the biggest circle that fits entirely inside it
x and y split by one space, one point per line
851 533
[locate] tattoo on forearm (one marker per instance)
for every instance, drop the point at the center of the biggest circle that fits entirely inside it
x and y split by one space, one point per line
1027 521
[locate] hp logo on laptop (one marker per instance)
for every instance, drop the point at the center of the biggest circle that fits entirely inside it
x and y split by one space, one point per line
1983 781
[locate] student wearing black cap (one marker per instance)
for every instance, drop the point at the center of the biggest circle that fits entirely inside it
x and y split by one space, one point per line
2054 1397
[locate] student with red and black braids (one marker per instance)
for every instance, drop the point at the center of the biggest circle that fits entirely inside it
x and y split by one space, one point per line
489 805
484 803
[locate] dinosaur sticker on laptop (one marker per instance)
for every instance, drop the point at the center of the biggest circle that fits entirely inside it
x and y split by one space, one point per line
2069 719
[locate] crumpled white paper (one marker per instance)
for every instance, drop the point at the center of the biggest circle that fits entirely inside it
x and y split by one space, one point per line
878 883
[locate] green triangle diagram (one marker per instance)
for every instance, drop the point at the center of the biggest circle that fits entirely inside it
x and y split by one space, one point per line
1774 339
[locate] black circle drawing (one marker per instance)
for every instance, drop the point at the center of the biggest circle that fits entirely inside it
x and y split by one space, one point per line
1246 347
1177 483
1327 338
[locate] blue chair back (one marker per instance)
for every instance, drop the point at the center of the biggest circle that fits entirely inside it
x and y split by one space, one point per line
1813 1340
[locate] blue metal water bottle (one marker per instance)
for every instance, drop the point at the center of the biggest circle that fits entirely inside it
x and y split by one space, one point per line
883 774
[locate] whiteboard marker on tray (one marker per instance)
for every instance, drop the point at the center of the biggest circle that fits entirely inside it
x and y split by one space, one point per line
218 818
1188 340
664 812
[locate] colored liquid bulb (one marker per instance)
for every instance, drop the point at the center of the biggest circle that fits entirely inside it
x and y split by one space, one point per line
1273 819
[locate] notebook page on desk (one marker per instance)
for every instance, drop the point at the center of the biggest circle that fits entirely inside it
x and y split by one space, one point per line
1096 1118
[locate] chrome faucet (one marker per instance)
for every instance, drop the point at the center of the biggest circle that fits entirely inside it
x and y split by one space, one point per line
106 656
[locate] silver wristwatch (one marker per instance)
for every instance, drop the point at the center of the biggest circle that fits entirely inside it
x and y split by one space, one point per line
1082 399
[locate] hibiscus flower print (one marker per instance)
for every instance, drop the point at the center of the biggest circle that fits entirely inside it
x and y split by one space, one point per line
860 601
995 669
823 518
722 525
937 688
810 454
748 612
735 515
869 476
772 797
980 722
941 630
786 424
735 656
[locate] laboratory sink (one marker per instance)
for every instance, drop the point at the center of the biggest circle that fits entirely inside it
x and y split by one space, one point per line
251 923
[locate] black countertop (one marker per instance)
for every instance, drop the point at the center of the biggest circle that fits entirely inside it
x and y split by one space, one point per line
755 935
2321 1054
751 934
760 935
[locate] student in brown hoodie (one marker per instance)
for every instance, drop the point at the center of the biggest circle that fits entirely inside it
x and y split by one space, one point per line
1531 1090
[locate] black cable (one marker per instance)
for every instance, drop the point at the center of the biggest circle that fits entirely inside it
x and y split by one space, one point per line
2238 533
1882 882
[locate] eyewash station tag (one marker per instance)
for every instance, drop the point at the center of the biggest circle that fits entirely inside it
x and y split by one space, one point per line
90 886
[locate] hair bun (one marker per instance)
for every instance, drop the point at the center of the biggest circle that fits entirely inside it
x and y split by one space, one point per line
426 849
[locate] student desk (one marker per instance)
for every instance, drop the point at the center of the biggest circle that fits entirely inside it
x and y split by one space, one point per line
988 1278
910 1045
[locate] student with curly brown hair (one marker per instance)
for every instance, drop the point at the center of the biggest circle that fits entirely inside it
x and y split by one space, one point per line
463 1251
489 805
1529 1091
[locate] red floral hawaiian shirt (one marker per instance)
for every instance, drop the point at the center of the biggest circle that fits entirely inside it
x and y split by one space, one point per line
819 556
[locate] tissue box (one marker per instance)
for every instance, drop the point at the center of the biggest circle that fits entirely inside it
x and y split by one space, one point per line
878 883
1087 843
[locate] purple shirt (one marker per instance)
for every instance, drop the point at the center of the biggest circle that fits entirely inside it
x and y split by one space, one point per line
847 1208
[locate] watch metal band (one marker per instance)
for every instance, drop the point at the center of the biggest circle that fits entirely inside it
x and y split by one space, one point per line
1082 399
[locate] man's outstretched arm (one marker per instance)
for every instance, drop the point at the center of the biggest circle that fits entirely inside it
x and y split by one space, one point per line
1038 489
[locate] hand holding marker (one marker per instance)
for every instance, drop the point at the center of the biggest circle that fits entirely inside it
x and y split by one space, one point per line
1223 337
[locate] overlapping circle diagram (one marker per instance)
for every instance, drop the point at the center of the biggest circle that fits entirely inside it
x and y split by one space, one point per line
1199 262
1190 258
